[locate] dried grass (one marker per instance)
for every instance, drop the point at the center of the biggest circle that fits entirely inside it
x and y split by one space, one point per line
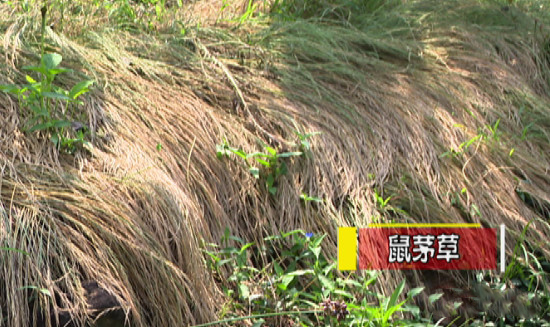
387 96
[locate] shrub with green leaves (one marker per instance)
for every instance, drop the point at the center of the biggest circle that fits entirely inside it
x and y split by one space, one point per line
274 167
297 282
52 108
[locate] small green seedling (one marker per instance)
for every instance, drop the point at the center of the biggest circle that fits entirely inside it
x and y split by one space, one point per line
382 203
304 140
271 161
308 198
50 106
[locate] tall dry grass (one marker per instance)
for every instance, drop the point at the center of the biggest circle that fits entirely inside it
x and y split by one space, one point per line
391 94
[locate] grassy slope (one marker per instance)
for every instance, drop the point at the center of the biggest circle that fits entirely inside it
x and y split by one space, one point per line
391 93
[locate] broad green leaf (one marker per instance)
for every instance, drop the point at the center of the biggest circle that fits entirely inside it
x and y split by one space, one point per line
255 172
54 95
40 127
415 291
467 144
343 293
307 198
61 123
285 281
238 152
229 250
246 246
316 242
256 154
236 238
30 79
244 291
45 292
316 251
270 180
11 88
263 162
434 297
213 256
392 310
327 270
272 190
39 111
59 71
223 262
413 309
326 283
311 304
393 299
288 154
282 170
221 150
41 70
278 270
296 231
457 305
301 272
271 150
55 139
51 60
351 282
80 89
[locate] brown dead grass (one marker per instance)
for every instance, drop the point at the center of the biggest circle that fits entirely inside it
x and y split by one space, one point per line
133 218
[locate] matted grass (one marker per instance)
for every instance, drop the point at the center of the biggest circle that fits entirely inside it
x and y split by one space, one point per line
394 92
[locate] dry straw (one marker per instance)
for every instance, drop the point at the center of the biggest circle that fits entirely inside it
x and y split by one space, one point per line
391 95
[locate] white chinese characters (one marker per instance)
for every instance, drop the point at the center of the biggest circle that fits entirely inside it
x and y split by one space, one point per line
423 248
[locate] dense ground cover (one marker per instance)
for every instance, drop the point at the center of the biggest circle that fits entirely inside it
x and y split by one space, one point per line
119 174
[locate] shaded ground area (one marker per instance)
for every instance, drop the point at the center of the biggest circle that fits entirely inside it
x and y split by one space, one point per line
441 107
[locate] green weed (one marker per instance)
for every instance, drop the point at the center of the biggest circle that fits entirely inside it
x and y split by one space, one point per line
462 147
305 145
495 135
251 10
298 283
271 161
308 198
381 315
381 201
488 132
52 107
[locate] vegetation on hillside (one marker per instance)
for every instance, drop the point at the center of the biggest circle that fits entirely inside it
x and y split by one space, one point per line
166 157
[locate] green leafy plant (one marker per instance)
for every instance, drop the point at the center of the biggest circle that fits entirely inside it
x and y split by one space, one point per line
307 198
51 106
250 11
462 147
304 140
271 161
381 315
251 8
381 201
299 283
525 131
283 282
488 132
